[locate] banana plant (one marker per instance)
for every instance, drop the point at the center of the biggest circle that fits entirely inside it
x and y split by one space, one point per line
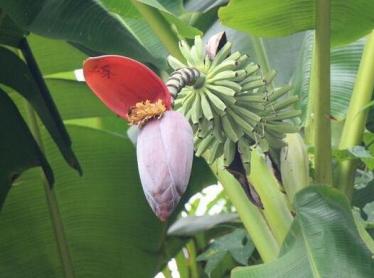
290 158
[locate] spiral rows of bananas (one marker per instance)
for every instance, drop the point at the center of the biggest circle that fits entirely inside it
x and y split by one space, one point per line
233 107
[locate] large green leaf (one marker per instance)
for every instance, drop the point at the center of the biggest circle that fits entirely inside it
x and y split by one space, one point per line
323 241
344 65
10 33
282 53
103 212
17 75
26 154
84 22
109 228
351 19
183 29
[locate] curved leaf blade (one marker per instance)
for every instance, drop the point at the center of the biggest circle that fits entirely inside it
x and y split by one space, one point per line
323 241
26 154
84 22
17 75
344 65
351 19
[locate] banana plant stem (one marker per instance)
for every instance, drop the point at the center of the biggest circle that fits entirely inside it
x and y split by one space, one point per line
250 215
191 248
160 27
356 115
276 210
321 95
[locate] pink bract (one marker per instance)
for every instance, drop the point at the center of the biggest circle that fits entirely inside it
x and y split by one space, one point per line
165 154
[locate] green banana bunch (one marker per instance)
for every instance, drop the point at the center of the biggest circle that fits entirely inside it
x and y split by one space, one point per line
232 106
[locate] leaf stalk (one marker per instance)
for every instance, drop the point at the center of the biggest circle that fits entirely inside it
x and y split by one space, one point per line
321 95
354 125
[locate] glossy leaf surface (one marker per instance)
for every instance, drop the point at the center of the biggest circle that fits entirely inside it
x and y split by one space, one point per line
351 19
323 241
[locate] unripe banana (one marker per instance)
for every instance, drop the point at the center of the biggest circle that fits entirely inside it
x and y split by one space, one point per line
227 65
175 63
215 151
231 104
224 75
229 150
207 111
229 84
204 145
222 90
228 129
217 102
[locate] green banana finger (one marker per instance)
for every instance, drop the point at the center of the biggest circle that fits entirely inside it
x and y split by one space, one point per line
249 116
282 127
204 128
284 103
229 150
229 84
207 111
247 128
283 115
217 129
269 76
227 75
175 63
215 151
186 51
253 84
234 56
196 110
199 50
222 90
279 92
228 129
240 75
204 145
242 60
216 101
224 66
252 68
244 150
250 98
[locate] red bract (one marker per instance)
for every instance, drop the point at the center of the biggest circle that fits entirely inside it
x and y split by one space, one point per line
165 142
121 83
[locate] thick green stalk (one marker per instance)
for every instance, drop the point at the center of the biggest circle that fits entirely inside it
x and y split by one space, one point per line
321 95
182 265
250 215
194 269
356 115
160 27
275 203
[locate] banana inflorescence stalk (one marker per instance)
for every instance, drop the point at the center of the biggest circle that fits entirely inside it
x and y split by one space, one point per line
229 102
